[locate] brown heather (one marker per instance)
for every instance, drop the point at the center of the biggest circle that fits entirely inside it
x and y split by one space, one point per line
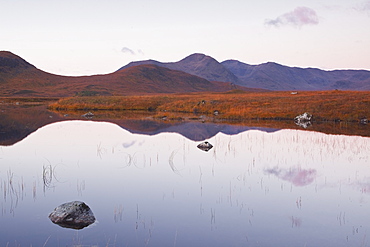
236 105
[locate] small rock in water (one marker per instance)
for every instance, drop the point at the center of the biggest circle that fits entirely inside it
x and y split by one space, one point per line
205 146
88 115
75 215
364 120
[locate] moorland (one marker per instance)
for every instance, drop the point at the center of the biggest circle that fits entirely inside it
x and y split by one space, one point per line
197 87
348 106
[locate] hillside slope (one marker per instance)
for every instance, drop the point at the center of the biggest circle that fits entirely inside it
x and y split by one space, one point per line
195 64
270 76
19 78
274 76
194 73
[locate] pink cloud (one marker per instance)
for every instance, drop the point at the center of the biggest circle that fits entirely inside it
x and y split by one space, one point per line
299 17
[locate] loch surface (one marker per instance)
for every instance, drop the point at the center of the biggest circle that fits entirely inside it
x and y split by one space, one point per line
252 188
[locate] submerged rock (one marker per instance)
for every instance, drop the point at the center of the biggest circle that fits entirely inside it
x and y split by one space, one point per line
364 120
88 115
205 146
75 215
303 120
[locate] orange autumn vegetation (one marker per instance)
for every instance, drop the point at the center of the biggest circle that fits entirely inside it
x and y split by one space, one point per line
236 105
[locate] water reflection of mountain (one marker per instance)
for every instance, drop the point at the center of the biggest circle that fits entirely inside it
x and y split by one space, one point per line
136 183
17 122
196 131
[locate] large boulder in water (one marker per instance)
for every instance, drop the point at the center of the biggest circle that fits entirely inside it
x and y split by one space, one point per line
76 215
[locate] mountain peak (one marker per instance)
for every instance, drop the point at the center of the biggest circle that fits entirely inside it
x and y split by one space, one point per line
206 67
8 54
10 61
199 59
272 64
197 64
196 57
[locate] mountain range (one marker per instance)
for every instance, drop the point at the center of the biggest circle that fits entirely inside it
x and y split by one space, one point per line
195 73
19 78
196 64
270 76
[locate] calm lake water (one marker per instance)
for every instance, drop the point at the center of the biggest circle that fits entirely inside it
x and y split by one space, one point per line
254 188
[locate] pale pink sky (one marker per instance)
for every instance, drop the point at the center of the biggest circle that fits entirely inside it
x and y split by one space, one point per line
94 37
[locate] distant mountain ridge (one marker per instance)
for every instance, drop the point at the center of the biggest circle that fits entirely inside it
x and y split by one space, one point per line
19 78
274 76
194 73
270 76
195 64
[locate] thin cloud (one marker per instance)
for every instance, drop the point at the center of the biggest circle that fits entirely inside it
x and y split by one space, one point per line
299 17
132 52
128 51
363 7
140 52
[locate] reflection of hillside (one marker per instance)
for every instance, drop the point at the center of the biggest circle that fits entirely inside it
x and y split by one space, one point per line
195 131
145 181
17 122
145 122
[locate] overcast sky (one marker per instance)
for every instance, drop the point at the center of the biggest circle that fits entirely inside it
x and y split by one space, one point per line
84 37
